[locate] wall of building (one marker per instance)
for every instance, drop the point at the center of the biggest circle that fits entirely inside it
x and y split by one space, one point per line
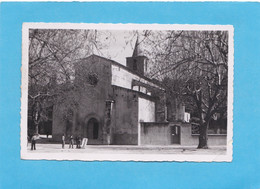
123 78
125 117
146 110
146 113
91 99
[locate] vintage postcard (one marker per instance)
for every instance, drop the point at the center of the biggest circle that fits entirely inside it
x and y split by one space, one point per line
127 92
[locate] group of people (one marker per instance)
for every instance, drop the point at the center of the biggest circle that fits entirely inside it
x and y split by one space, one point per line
72 142
77 141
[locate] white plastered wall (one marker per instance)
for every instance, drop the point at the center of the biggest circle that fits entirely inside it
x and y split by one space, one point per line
123 78
146 113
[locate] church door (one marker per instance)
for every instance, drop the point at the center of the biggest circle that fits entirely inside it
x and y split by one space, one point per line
92 129
175 134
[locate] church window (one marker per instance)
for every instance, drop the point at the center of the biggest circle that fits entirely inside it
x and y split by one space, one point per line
92 79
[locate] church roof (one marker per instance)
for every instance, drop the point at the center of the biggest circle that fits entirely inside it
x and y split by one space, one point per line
138 50
154 81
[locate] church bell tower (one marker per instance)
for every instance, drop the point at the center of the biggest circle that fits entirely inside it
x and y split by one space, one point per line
138 61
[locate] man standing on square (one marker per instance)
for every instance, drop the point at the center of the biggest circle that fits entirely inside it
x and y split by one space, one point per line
71 141
33 141
63 141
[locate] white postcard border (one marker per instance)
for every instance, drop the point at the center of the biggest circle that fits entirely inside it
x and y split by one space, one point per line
123 157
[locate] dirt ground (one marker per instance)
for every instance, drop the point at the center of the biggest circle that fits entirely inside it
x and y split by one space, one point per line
127 149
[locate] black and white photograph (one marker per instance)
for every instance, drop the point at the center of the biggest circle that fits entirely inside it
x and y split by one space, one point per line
127 92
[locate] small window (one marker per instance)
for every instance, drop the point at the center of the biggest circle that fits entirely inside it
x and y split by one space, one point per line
135 88
143 90
135 65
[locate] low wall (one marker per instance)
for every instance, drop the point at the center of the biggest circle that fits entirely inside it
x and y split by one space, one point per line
160 134
187 139
155 134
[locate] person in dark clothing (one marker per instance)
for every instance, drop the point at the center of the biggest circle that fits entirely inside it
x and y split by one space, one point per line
63 140
71 141
79 141
76 141
33 141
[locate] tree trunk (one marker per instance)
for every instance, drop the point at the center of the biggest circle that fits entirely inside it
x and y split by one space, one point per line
36 116
203 138
36 128
36 122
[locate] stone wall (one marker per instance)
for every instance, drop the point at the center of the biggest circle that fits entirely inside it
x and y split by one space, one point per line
155 134
91 99
160 134
187 139
125 116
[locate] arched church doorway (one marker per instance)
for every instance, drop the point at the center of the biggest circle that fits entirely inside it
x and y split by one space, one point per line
92 129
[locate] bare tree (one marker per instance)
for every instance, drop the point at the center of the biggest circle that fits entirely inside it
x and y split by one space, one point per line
52 56
193 66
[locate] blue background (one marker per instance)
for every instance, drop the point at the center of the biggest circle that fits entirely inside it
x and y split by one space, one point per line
243 172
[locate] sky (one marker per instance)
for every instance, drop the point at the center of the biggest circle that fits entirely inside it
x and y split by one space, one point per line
120 44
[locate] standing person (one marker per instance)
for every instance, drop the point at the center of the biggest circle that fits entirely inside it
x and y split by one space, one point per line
33 141
63 140
71 141
79 141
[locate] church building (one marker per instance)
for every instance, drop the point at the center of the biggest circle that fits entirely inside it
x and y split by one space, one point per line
119 105
114 103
